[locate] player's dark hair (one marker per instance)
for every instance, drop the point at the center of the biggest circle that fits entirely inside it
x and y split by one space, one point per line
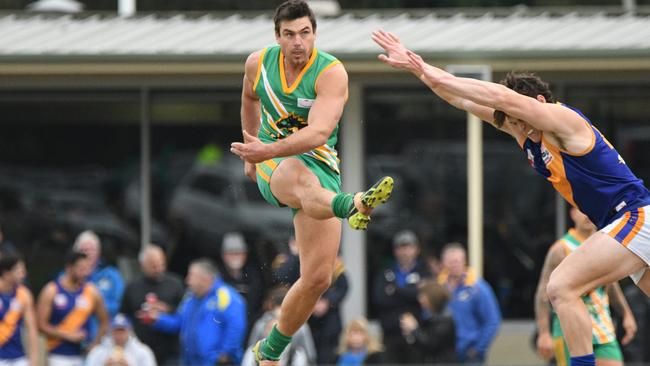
8 262
291 10
525 83
72 257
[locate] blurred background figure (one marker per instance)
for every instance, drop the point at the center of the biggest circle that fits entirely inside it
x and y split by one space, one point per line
121 347
395 292
286 266
433 338
65 307
211 319
240 273
158 288
325 322
473 305
358 347
6 246
301 350
550 339
16 313
106 278
637 351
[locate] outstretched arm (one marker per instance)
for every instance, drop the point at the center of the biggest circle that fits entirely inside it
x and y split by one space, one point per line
397 56
544 341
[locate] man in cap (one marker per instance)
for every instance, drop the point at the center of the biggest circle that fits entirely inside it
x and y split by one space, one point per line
121 347
240 273
396 293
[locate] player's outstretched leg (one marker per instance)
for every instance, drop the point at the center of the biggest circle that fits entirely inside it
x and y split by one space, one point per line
378 194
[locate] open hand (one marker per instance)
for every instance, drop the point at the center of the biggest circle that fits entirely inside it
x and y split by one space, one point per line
252 150
396 54
629 324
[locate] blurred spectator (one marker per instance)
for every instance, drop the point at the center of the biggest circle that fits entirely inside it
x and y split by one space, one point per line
211 319
473 305
65 306
286 266
358 347
637 351
161 289
16 311
6 246
107 278
241 274
325 322
433 338
301 350
396 292
121 347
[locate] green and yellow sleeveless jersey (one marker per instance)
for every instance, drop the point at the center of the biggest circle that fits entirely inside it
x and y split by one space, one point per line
597 301
285 108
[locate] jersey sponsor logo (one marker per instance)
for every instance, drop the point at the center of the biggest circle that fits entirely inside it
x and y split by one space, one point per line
60 301
305 103
547 157
531 157
15 305
104 284
81 302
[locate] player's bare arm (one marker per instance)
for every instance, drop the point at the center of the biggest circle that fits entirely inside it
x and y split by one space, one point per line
44 312
397 56
543 310
250 105
564 126
102 315
32 331
619 304
332 92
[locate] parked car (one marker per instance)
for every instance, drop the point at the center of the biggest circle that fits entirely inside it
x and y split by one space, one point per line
217 198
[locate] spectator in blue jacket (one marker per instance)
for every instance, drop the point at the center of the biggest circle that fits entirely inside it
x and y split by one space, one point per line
211 319
106 278
473 305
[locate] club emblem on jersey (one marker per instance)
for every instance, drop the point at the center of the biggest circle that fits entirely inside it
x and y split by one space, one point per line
291 123
60 301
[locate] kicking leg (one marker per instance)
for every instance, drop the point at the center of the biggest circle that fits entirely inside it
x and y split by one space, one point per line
599 261
293 184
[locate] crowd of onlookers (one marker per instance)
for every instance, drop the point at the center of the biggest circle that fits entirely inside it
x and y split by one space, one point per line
429 312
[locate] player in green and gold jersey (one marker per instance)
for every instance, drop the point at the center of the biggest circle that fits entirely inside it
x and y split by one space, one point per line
292 99
550 338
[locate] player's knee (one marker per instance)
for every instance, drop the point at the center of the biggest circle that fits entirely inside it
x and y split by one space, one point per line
557 290
319 281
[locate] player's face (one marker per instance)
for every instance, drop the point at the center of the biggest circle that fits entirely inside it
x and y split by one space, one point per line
81 270
524 128
296 39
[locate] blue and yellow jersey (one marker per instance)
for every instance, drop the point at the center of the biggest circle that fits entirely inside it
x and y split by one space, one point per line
596 181
12 309
71 311
596 301
285 108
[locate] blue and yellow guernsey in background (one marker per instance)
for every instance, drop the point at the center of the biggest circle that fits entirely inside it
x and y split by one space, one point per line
285 108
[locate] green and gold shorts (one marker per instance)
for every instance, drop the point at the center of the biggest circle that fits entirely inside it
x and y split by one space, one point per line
328 178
